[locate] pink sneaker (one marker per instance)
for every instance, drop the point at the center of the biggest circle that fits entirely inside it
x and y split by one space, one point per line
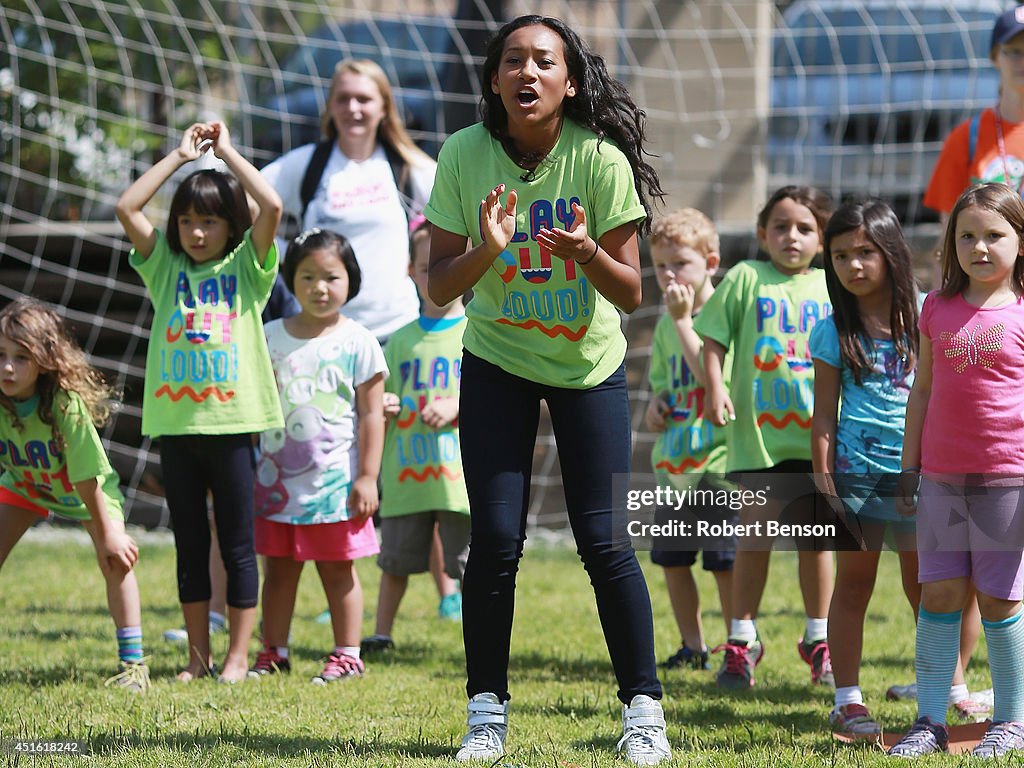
268 662
737 671
818 659
970 711
339 667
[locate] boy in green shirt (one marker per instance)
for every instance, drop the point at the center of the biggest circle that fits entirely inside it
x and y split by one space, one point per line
690 450
423 486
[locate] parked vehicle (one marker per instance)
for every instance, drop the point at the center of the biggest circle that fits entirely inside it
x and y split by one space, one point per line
864 93
414 52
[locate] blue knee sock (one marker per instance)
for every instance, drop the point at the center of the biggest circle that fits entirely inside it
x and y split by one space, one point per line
129 644
937 651
1006 661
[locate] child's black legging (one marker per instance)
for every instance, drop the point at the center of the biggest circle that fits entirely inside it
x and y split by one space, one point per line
225 466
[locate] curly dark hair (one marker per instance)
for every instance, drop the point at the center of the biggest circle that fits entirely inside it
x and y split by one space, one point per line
601 104
882 228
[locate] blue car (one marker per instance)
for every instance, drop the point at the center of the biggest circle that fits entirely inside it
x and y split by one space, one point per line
863 94
414 53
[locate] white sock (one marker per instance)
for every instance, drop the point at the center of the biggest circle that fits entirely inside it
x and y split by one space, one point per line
282 651
743 629
851 694
347 650
815 630
958 693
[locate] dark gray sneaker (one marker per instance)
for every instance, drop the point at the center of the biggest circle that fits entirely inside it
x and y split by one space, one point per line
376 644
687 657
923 738
1001 738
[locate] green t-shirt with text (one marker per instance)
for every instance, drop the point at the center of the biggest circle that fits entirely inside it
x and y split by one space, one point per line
36 468
533 314
422 466
207 367
690 446
765 317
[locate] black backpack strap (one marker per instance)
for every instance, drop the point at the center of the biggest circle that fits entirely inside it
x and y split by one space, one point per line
318 162
314 172
403 181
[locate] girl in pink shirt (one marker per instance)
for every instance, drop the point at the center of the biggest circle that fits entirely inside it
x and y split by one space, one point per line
963 465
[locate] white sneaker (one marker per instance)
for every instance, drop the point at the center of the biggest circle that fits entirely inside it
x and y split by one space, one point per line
218 624
899 692
488 723
176 635
643 732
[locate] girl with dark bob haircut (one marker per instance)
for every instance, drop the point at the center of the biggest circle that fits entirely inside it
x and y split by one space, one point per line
321 239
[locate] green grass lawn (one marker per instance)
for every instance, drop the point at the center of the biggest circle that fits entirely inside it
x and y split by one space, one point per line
57 648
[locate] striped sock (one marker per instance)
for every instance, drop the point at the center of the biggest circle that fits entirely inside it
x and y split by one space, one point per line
1006 661
938 648
129 644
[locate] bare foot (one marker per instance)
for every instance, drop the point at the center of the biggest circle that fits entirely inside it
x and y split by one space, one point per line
234 671
193 671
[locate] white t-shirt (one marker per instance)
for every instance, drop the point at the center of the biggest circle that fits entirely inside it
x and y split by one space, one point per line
306 470
360 201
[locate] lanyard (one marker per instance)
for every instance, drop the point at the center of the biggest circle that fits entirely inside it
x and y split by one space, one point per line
1002 151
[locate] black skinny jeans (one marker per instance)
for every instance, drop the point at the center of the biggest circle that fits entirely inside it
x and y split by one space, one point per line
498 419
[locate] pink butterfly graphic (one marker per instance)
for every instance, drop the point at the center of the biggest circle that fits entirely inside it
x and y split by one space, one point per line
973 346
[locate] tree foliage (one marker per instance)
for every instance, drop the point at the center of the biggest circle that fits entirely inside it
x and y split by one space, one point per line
86 88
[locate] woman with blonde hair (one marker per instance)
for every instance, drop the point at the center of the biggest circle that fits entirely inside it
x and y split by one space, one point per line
366 180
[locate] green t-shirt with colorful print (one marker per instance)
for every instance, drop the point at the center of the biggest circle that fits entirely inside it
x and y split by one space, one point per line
44 473
422 466
533 314
690 446
207 367
765 317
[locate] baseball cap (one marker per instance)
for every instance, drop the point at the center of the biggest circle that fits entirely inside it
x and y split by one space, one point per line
1008 25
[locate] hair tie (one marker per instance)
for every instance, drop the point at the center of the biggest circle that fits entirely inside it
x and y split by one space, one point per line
416 222
301 239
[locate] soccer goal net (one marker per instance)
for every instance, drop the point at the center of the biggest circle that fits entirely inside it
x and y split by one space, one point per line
740 97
